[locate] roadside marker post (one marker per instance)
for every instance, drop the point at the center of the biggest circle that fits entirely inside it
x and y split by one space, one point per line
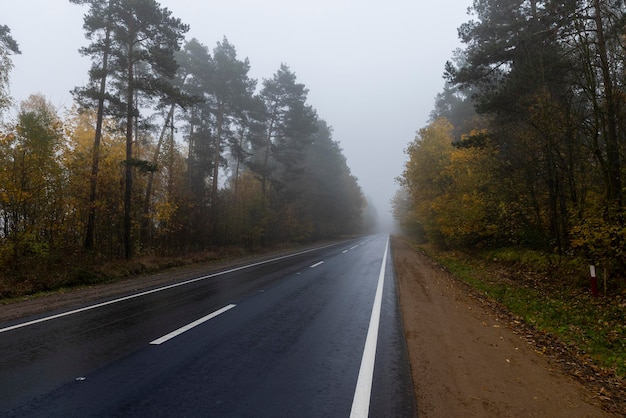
594 281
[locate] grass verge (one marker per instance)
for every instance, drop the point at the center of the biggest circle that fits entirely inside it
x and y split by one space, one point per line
594 328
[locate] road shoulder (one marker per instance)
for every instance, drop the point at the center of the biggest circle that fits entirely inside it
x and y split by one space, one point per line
466 361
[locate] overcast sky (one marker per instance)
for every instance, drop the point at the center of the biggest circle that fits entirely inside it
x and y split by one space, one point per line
373 68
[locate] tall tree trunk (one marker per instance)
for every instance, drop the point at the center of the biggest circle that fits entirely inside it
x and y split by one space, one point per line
218 154
170 160
238 166
128 191
614 186
145 215
190 151
216 171
93 181
268 146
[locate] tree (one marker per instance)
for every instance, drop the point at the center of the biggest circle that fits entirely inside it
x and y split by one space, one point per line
170 99
230 96
594 35
471 212
404 212
290 122
77 160
147 34
140 45
424 175
32 182
98 26
610 96
456 104
8 46
517 70
196 64
547 82
333 200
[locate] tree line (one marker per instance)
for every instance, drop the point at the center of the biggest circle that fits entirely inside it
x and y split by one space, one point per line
526 143
171 147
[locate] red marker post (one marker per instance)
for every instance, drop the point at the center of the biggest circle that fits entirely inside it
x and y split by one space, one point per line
594 281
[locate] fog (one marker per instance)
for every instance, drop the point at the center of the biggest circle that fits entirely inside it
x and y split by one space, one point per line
372 68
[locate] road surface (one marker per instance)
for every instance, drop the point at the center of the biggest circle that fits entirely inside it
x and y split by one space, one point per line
316 333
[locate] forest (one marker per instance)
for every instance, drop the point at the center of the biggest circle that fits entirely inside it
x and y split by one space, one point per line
526 145
170 148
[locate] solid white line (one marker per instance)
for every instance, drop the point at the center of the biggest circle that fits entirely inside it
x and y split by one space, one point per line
136 295
361 400
186 328
317 264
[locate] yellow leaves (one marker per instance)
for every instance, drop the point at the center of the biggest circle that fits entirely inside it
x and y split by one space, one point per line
164 211
450 186
599 238
7 139
79 155
428 154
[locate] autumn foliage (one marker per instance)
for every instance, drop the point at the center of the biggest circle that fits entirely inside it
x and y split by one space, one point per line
525 147
171 149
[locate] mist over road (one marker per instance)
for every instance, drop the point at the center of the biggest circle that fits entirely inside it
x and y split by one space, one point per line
317 333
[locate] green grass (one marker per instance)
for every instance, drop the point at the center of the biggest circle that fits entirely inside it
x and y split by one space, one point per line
560 307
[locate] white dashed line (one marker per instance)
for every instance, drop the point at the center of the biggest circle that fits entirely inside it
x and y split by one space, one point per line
179 331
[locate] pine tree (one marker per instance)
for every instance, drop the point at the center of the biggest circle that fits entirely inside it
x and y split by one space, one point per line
97 25
290 122
140 45
8 46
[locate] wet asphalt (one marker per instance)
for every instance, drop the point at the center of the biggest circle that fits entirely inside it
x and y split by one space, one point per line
288 343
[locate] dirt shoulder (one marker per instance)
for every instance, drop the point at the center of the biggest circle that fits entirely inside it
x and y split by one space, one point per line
470 360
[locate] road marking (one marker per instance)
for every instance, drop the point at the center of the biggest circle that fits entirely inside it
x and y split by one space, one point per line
187 327
361 400
344 251
356 246
317 264
160 289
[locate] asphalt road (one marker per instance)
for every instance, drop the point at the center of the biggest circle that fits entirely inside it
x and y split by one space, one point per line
313 334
